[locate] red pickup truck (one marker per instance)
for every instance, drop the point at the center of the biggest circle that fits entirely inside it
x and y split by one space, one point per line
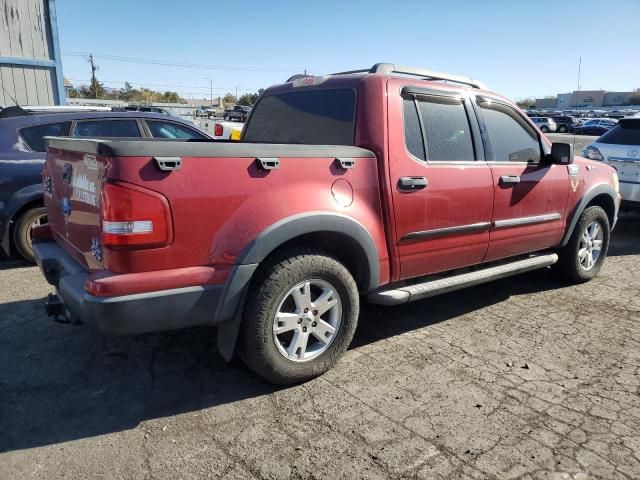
391 184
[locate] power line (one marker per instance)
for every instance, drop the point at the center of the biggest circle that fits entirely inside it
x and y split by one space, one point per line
142 84
178 64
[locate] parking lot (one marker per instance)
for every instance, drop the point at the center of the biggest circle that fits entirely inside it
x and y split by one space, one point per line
523 378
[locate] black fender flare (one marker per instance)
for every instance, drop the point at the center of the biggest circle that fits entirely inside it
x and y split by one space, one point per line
593 192
19 199
229 314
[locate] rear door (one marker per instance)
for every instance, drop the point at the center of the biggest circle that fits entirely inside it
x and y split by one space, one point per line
442 192
530 193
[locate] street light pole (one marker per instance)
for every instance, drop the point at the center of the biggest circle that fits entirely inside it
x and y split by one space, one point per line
237 86
210 89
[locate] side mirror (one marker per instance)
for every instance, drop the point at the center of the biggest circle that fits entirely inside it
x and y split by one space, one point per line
561 153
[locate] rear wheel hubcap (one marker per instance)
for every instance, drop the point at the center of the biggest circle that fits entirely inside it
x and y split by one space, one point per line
307 320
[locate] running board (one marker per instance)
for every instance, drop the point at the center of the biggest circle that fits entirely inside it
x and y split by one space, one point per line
418 291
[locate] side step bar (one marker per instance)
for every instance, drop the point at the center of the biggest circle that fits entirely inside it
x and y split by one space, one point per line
418 291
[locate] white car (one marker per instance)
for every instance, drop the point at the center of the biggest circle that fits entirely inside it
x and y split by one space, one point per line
620 148
545 124
221 129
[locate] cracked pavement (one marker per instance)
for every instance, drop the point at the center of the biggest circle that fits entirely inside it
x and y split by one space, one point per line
522 378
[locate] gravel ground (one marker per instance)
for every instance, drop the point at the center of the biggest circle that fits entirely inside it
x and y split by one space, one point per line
522 378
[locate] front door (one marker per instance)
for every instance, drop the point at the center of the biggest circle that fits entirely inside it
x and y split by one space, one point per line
530 193
442 194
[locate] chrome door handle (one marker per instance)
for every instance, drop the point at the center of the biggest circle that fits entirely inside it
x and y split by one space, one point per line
410 184
509 180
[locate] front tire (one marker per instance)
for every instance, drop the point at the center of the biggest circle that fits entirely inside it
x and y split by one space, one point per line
544 129
582 258
22 231
299 318
562 129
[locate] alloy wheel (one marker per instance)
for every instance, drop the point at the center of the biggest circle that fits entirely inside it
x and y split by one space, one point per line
590 246
307 320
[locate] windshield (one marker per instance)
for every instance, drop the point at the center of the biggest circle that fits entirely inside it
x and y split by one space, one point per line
317 117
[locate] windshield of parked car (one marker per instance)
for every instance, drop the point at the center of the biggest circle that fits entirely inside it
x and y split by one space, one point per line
316 117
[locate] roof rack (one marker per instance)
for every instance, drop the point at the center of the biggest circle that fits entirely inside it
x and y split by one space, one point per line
389 68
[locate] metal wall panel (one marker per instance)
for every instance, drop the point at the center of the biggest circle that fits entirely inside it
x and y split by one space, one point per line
30 64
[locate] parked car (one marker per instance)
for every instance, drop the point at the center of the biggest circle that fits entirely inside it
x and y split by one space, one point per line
377 184
222 129
565 124
545 124
595 126
620 148
22 154
239 112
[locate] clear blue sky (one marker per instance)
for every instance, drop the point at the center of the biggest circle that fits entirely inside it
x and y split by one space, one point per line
518 48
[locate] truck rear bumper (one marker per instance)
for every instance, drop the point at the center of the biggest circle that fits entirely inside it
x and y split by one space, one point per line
128 314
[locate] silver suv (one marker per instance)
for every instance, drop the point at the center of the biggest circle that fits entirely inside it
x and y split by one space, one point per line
620 148
545 124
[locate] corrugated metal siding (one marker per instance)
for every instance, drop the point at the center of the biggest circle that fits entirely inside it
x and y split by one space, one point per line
26 33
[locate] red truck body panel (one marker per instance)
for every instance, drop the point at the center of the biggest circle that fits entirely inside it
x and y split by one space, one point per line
220 204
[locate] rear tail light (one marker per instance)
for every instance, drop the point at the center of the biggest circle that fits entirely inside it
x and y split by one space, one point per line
218 130
593 153
134 216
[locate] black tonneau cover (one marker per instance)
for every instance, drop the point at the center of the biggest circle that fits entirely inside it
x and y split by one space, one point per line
143 147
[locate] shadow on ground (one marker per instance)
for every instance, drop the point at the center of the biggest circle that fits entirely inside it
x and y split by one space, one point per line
63 382
59 382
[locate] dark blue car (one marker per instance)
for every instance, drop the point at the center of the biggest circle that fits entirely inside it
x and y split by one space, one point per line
596 126
23 151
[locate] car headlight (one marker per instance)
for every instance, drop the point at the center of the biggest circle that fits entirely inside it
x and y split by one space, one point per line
593 153
616 182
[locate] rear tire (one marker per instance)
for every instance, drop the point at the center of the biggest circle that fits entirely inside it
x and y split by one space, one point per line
582 258
288 337
22 231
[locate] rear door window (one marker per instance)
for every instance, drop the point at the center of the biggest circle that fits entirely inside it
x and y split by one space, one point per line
316 117
446 132
107 128
34 136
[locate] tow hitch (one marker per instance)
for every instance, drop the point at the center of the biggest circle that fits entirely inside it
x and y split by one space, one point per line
54 307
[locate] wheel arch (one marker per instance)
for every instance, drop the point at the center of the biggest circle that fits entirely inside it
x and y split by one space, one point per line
338 235
602 195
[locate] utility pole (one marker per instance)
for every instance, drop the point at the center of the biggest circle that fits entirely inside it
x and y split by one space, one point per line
210 89
94 67
237 86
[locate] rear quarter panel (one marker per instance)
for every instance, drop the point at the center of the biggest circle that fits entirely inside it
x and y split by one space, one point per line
220 205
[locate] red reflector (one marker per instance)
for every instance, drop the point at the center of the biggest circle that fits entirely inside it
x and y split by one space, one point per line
218 130
134 216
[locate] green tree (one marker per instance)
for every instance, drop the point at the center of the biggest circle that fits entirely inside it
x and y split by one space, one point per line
526 102
229 99
248 99
634 99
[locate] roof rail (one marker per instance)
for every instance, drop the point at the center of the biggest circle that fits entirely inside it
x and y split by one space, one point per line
388 68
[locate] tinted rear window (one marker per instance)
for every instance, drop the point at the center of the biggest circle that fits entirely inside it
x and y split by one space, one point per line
317 117
34 135
107 128
629 134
